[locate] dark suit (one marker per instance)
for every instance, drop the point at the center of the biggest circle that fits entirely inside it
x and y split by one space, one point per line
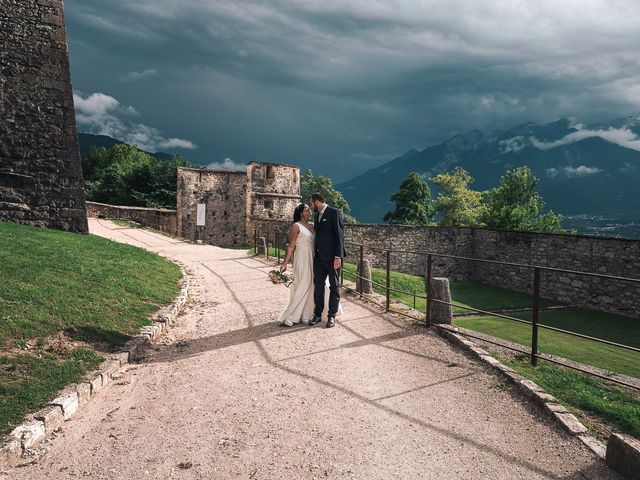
329 244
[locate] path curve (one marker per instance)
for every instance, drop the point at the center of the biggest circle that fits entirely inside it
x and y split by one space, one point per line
233 395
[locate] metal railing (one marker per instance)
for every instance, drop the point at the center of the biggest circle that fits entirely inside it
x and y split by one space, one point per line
536 308
279 240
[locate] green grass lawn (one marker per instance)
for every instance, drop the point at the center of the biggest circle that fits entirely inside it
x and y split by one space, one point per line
94 291
608 326
606 402
273 252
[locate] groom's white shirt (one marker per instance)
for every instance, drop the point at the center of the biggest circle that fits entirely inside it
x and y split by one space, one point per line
322 212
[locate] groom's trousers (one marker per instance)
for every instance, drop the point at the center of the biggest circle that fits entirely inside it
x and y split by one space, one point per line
322 269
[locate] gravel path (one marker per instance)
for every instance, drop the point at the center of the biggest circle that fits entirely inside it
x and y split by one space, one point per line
233 395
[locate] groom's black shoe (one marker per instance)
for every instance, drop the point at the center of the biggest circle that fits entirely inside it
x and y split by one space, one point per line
316 320
331 322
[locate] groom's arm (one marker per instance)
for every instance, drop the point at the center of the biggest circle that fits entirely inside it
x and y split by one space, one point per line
338 228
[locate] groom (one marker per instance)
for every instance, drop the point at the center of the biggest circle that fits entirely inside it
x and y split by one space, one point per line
327 260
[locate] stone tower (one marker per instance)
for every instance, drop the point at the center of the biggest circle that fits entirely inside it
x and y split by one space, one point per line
273 191
225 208
40 171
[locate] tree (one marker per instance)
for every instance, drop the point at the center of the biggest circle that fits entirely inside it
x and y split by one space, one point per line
124 175
311 184
414 205
456 204
515 205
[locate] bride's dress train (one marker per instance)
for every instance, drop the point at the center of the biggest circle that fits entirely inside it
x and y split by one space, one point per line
301 306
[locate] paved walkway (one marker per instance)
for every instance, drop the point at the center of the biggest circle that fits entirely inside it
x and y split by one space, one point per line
233 395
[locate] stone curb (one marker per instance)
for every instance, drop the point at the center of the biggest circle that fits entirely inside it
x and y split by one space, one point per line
623 456
548 403
15 448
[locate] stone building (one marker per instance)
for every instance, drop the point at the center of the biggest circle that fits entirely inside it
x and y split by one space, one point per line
40 172
224 208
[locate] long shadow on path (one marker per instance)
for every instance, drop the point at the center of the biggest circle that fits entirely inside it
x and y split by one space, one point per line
257 333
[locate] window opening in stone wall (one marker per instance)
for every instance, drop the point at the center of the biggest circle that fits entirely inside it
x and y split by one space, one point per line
271 172
294 175
268 204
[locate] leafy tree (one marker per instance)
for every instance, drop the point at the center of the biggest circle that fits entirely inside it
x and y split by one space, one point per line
414 205
311 183
124 175
515 205
456 204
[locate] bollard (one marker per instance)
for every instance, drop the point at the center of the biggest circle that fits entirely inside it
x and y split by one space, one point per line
441 312
364 270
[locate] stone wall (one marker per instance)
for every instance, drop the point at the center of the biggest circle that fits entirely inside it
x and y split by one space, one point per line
610 256
270 229
156 218
224 196
40 172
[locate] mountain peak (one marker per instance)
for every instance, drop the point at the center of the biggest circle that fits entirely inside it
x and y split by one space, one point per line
467 140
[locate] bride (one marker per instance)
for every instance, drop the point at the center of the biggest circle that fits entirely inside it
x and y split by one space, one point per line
301 240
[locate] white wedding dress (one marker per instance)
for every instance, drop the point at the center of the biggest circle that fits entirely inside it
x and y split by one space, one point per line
301 306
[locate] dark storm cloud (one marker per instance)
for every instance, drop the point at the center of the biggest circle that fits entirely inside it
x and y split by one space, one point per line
343 86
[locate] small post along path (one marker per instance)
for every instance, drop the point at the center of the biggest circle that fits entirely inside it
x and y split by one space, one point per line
230 394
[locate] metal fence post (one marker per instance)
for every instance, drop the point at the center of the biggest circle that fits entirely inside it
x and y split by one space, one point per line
277 247
536 316
360 271
266 241
429 268
414 299
341 271
388 299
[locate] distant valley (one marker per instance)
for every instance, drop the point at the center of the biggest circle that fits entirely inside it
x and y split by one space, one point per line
591 169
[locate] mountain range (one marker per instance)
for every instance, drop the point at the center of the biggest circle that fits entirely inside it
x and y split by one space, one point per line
88 140
591 169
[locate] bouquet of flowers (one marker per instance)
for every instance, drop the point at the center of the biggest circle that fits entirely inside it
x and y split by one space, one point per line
277 277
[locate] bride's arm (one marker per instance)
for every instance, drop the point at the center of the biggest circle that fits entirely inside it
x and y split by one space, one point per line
293 234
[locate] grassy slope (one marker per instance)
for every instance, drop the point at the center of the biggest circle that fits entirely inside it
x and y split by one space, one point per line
607 403
611 327
94 290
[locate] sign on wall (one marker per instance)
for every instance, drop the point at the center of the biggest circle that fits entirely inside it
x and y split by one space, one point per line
200 213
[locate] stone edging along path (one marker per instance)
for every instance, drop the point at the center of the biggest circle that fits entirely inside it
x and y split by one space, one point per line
17 447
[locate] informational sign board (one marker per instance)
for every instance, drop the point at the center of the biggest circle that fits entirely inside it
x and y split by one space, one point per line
200 214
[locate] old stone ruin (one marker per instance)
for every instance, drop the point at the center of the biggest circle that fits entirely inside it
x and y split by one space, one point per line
40 171
224 208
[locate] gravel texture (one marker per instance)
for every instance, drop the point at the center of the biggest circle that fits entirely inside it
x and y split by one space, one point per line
230 394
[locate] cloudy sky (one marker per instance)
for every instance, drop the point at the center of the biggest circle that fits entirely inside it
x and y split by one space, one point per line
344 86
